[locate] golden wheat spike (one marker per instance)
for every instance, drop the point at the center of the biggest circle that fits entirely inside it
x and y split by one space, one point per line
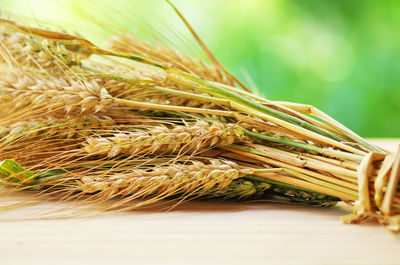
160 139
20 50
194 177
53 93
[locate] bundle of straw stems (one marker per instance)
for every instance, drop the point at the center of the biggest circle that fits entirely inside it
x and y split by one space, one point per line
140 123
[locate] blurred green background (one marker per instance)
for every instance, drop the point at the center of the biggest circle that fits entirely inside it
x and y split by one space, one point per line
340 56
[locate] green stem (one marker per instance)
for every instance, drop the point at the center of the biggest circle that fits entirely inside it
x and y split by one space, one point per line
267 170
216 90
145 105
331 153
278 183
159 88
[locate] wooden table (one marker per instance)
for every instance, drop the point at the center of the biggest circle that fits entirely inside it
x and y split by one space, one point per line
202 233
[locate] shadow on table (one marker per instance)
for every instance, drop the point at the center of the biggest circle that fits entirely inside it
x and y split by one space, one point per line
23 207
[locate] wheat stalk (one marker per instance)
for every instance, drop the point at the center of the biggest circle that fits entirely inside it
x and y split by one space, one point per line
130 44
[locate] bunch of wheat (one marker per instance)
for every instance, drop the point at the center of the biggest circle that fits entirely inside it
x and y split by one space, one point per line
145 123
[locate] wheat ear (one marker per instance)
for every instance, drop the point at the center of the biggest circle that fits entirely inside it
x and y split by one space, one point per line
189 179
48 127
21 50
181 138
54 93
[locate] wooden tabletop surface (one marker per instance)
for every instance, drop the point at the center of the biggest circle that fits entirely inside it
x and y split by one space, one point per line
202 233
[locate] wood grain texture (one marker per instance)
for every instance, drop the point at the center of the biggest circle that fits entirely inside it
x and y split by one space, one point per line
202 233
